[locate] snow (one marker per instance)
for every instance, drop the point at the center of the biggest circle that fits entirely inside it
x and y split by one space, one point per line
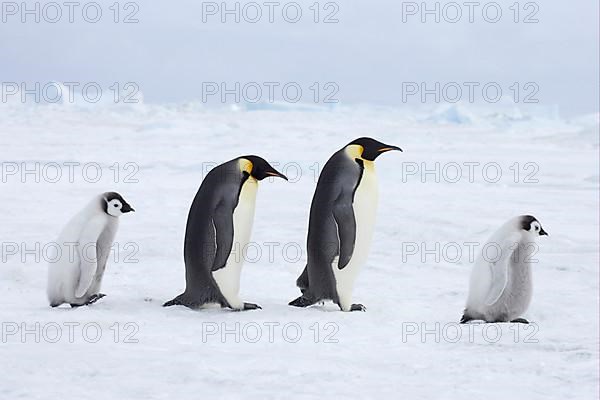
179 353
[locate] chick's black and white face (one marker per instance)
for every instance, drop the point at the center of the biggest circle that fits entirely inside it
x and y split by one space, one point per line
115 205
533 226
536 228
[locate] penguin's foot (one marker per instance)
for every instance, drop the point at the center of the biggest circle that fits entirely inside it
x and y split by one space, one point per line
301 302
94 298
251 306
520 321
358 307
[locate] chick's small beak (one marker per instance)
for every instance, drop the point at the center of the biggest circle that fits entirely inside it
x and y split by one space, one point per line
389 148
543 232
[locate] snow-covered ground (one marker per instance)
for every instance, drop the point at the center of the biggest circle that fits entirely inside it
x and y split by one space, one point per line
407 345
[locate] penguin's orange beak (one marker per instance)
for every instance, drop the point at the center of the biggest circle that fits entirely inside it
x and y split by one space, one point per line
389 148
276 174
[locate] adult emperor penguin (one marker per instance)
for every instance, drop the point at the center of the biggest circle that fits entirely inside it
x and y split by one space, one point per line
342 218
500 287
218 229
84 244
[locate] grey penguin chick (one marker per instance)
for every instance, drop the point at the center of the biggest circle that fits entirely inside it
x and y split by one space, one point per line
84 244
501 287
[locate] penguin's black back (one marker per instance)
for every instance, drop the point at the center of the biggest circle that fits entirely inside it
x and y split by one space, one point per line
335 188
213 205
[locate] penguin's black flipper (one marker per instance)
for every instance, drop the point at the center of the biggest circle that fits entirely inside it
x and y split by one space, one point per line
302 302
223 226
345 221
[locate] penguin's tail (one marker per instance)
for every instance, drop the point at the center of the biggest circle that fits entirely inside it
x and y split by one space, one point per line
178 301
195 302
302 281
302 301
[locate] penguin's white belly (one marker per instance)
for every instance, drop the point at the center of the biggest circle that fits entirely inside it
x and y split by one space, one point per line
63 274
365 210
228 277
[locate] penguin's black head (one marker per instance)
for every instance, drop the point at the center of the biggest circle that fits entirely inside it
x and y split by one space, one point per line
530 224
371 148
260 169
115 205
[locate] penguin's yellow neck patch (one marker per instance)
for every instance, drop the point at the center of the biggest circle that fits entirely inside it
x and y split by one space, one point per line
355 151
245 165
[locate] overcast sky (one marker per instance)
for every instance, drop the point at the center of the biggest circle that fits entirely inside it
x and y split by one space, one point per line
375 53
